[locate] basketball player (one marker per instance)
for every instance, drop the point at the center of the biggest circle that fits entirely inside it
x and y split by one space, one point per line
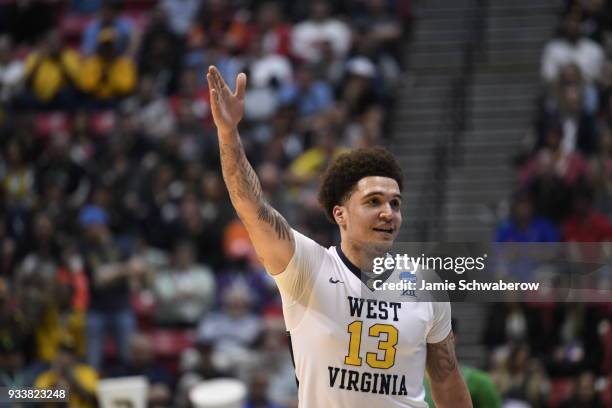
350 351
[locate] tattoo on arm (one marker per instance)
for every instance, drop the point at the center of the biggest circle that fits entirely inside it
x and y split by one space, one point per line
243 185
441 359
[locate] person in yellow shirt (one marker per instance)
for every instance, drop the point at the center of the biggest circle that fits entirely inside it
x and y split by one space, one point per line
51 72
60 319
106 76
80 380
308 166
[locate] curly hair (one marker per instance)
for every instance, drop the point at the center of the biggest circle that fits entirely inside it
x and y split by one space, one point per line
346 170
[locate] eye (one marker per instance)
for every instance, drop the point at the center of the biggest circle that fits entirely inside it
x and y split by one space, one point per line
373 201
395 204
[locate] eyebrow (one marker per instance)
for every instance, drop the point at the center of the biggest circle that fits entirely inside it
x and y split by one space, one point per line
381 193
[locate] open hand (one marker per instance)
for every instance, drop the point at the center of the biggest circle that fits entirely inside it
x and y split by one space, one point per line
227 107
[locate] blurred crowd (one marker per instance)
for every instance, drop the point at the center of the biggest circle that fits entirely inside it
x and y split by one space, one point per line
547 354
120 252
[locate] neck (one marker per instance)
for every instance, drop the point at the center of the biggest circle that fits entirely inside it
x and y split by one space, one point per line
358 255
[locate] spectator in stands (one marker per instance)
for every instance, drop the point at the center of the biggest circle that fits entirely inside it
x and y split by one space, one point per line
258 392
358 93
12 371
160 53
234 329
595 17
268 73
105 75
11 71
309 37
193 93
108 274
151 109
599 173
242 269
37 272
143 363
60 320
584 395
274 31
184 291
57 168
13 331
571 47
218 25
275 361
80 380
195 365
384 28
585 224
551 195
311 96
522 226
51 74
578 128
570 75
109 17
566 163
308 166
181 14
522 380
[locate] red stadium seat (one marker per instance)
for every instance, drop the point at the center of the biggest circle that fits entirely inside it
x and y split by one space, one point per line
51 122
102 123
560 390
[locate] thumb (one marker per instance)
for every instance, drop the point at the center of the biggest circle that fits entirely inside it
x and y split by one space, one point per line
240 85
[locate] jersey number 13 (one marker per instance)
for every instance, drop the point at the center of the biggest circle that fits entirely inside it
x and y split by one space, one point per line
387 345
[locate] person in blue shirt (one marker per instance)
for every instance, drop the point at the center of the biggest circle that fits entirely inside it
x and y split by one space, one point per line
523 226
108 17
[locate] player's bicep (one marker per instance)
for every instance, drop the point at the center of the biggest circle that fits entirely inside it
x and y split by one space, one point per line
272 238
296 281
441 359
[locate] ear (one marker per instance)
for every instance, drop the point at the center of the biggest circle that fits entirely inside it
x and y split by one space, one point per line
339 213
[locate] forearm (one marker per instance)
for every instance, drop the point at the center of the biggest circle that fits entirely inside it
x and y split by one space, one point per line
241 180
448 388
452 393
108 274
244 187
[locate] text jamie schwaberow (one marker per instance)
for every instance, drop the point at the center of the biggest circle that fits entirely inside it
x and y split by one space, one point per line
463 284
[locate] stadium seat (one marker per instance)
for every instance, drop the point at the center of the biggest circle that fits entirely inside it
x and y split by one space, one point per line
560 390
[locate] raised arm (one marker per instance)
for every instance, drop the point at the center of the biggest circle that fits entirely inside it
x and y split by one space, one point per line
448 388
269 231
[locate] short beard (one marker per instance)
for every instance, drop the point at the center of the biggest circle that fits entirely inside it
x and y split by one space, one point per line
375 249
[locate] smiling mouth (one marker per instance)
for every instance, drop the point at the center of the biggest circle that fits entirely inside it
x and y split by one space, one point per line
387 230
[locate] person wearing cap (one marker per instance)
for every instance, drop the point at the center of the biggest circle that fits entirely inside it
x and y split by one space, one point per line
109 272
107 76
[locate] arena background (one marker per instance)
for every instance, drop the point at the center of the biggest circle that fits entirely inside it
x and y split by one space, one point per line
121 254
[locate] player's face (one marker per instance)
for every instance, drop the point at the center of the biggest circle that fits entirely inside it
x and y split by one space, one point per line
373 212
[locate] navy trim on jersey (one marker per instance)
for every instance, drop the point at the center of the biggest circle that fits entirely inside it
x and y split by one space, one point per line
297 382
364 278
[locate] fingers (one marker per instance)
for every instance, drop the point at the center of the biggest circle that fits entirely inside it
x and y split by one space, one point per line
212 86
220 84
240 85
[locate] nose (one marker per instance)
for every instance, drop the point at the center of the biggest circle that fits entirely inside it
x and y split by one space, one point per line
386 213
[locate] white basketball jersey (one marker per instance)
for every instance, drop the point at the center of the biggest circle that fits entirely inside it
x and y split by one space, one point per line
350 349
